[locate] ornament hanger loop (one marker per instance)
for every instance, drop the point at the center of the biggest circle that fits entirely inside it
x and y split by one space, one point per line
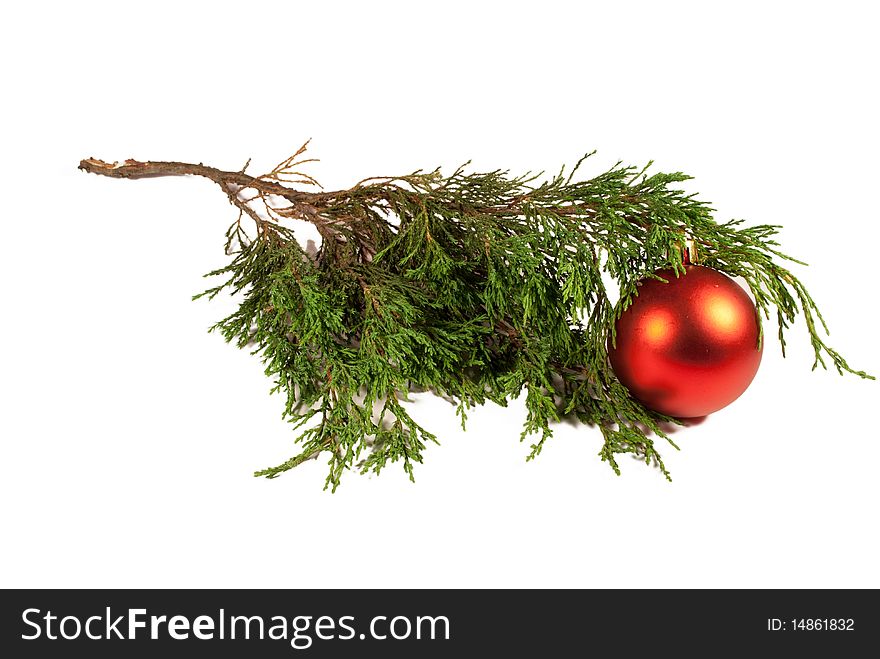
689 252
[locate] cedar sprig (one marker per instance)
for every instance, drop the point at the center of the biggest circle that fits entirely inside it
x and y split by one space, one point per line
476 286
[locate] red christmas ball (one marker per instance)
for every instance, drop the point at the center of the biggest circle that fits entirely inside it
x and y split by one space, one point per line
688 347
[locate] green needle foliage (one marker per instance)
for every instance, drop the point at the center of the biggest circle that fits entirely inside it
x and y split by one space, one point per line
475 286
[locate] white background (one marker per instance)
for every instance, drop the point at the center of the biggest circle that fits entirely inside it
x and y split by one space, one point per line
129 435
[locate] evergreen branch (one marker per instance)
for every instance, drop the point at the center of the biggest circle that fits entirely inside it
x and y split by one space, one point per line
478 286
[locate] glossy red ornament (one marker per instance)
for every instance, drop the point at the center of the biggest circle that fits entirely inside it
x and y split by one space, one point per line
688 347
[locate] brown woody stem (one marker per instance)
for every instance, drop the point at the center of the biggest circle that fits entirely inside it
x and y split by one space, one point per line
151 169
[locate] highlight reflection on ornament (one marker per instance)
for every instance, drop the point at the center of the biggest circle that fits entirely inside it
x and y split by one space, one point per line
687 347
